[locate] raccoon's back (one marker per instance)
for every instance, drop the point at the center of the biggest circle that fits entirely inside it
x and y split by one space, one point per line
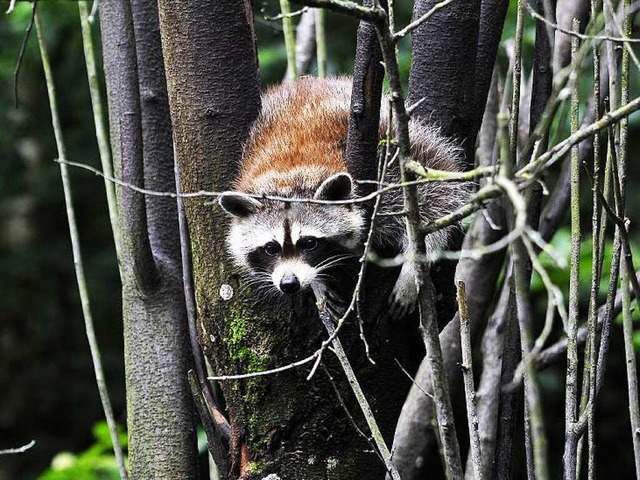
299 138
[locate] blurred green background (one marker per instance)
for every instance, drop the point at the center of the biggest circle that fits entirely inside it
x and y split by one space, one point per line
47 388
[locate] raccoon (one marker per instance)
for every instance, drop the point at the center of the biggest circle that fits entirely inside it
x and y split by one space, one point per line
296 149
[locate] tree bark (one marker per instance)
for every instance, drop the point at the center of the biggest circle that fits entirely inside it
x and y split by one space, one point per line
492 16
157 356
213 92
444 52
366 95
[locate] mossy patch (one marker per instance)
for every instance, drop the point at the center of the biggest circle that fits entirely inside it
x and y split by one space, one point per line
237 340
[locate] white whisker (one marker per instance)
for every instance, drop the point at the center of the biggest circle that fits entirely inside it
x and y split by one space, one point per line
331 262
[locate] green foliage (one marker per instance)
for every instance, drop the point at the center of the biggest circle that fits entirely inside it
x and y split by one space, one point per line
96 463
561 248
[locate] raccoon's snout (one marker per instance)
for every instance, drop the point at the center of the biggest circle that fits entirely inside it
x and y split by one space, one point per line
290 283
292 276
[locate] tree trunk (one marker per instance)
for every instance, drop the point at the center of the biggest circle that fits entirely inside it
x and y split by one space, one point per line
283 423
157 356
444 52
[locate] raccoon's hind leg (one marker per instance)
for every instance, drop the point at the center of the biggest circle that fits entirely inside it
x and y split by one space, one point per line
404 296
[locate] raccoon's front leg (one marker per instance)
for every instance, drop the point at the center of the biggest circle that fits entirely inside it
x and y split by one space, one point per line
404 296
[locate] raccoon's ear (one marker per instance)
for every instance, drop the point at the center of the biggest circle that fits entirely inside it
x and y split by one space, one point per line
239 204
336 187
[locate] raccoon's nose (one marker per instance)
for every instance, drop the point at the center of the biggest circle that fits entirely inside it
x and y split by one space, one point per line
289 283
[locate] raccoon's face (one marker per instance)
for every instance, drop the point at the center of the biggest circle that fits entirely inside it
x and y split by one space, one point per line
291 246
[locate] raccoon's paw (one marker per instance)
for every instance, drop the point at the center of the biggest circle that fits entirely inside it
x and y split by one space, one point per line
404 297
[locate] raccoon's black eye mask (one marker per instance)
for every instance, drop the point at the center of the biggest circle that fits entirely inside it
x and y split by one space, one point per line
306 244
272 248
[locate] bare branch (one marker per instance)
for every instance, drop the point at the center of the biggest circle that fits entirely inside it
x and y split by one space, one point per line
430 176
347 7
357 390
289 40
560 149
14 451
416 23
469 388
99 121
576 33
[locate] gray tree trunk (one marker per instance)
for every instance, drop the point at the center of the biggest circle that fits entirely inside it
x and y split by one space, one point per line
157 356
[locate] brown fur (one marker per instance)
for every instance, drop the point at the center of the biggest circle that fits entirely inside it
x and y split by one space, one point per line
296 144
303 125
299 138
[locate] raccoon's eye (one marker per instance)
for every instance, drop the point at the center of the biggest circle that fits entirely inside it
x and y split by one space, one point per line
272 248
308 243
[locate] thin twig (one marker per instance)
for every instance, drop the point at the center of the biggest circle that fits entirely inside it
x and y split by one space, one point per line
218 453
514 113
381 446
469 387
94 12
627 270
413 380
535 437
384 161
588 401
555 352
23 48
570 446
431 176
419 21
280 16
22 449
560 149
632 374
99 122
576 33
347 7
12 5
625 34
426 294
348 413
